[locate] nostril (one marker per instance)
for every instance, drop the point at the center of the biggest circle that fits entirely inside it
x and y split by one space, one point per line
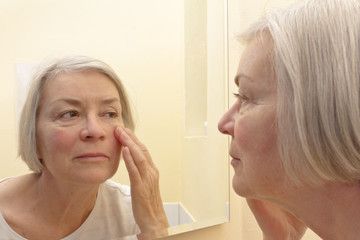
92 132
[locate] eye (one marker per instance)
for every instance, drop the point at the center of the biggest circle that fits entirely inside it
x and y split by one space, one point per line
70 114
241 97
242 101
111 114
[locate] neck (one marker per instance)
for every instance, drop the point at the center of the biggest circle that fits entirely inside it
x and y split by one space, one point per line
63 203
331 210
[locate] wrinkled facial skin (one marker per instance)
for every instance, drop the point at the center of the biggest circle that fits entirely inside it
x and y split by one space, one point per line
77 116
251 124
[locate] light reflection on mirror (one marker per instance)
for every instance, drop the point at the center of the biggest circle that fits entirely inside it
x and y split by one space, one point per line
171 56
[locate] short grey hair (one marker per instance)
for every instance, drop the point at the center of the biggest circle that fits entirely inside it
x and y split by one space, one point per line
47 71
316 58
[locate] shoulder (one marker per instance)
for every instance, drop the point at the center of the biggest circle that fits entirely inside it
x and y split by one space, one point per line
13 201
9 187
114 201
116 188
17 183
113 193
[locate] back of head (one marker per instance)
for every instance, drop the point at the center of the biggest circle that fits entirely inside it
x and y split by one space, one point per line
47 71
317 64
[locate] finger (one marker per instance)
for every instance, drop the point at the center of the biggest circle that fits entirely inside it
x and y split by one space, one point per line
132 169
138 142
136 152
141 146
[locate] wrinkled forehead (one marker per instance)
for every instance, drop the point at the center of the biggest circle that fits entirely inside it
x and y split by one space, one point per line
73 83
62 75
256 63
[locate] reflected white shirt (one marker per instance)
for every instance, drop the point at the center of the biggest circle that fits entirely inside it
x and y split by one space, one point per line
111 218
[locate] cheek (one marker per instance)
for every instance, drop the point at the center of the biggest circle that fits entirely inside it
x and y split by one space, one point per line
258 139
113 143
55 140
64 139
116 146
256 133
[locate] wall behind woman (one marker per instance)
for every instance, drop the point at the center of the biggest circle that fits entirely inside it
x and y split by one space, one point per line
145 51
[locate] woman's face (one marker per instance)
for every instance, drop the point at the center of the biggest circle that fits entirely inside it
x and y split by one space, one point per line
251 123
77 116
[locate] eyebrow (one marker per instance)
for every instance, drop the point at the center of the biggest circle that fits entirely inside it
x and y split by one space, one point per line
76 102
241 75
110 100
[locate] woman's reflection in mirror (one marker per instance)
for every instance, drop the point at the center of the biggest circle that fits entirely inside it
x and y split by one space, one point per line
74 126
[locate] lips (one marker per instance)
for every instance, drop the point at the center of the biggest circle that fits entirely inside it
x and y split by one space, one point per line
233 157
92 157
234 161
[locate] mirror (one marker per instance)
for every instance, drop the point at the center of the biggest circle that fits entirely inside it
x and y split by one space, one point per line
171 56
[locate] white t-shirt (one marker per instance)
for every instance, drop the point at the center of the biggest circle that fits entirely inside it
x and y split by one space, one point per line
111 218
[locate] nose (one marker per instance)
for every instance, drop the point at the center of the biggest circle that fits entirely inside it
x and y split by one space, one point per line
226 123
93 129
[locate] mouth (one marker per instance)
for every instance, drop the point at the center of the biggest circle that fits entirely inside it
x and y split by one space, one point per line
234 161
92 157
233 156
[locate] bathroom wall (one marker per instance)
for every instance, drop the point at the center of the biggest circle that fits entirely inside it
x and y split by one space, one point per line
146 52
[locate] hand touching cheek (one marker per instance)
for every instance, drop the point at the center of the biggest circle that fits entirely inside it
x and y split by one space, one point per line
144 181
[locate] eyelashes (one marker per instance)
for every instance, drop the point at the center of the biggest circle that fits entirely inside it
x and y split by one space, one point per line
111 114
71 114
241 97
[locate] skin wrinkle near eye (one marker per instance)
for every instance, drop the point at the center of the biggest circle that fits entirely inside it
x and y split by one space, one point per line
74 103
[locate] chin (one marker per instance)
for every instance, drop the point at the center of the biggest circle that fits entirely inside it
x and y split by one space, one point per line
242 189
96 177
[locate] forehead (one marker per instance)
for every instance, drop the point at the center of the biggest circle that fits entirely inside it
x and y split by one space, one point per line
80 78
256 61
79 84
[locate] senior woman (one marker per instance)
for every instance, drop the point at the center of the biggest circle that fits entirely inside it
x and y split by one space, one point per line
74 125
295 128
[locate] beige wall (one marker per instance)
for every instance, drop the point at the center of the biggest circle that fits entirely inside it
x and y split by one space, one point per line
145 51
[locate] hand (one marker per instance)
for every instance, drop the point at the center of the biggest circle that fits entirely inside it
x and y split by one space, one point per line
147 206
275 222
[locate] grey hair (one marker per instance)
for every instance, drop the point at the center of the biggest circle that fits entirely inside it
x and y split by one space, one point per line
316 47
46 72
